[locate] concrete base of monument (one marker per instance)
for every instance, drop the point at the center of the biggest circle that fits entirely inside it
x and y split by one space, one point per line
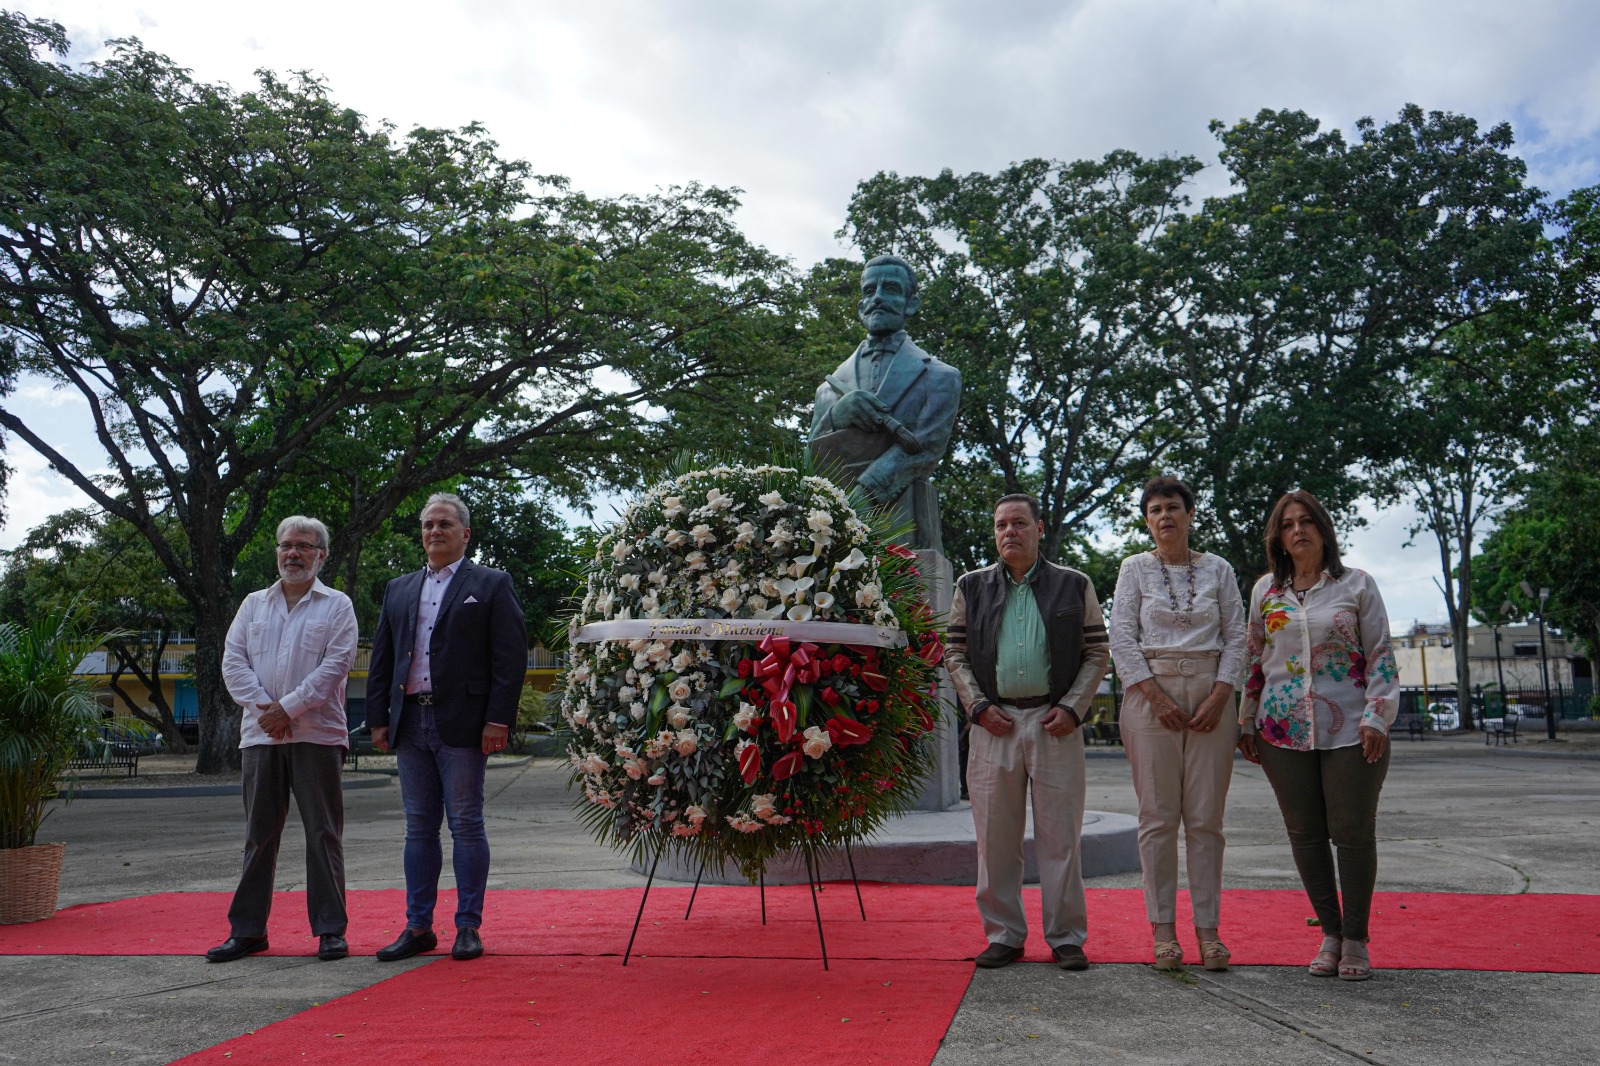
928 848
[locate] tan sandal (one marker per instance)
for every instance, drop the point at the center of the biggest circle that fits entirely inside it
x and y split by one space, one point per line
1326 964
1169 955
1355 964
1214 955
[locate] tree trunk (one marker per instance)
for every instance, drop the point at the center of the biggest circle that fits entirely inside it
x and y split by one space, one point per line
219 717
1462 615
129 660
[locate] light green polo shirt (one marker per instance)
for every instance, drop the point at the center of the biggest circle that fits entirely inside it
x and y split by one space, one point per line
1022 657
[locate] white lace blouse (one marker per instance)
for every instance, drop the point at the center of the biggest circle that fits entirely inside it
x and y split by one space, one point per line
1149 612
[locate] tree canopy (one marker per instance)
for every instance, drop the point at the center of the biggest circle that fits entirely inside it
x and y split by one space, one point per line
245 287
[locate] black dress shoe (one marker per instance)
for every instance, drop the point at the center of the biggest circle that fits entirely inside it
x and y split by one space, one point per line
997 955
407 945
332 946
236 947
467 945
1070 957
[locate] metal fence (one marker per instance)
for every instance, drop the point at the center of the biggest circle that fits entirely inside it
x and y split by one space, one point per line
1567 704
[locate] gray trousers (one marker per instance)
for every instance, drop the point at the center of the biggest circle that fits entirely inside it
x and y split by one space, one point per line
272 772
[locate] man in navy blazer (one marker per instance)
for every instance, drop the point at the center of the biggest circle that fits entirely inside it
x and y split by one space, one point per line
448 663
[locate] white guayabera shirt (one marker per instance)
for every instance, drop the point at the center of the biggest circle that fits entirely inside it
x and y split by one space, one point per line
300 657
1143 618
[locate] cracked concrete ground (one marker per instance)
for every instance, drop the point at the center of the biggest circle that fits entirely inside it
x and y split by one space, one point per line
1455 817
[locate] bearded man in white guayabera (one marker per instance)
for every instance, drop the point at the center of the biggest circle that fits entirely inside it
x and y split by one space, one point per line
286 662
1027 651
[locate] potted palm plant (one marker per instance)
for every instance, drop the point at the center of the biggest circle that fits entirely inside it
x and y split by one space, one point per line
46 711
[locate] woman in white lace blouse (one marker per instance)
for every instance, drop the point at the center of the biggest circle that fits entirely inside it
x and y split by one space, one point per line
1321 695
1178 640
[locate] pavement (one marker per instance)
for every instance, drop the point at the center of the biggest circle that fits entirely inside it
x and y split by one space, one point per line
1456 816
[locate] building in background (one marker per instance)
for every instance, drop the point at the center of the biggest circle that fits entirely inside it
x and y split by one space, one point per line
177 682
1427 659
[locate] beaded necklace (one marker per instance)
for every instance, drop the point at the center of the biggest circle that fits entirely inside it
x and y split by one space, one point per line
1185 614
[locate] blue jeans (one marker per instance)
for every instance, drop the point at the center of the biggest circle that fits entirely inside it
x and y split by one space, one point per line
439 781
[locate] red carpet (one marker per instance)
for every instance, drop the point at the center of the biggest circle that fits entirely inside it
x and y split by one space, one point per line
663 1012
1548 933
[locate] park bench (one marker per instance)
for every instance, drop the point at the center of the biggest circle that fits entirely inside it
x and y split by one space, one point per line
106 757
1415 725
1496 730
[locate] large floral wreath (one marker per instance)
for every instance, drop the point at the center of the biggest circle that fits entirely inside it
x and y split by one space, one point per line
709 710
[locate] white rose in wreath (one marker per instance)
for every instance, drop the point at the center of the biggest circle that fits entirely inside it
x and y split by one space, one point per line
817 742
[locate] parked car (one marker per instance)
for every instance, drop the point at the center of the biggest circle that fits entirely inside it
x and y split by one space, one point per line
1444 715
133 735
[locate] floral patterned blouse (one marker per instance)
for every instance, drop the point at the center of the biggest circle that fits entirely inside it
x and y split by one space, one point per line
1321 670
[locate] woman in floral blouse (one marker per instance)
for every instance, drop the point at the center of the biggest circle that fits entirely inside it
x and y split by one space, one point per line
1178 638
1318 703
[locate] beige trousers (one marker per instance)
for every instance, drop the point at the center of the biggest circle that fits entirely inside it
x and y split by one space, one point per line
1002 772
1180 776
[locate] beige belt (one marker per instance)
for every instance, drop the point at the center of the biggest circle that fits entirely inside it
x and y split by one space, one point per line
1182 663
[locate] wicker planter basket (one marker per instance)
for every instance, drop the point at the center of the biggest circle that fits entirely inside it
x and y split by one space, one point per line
29 878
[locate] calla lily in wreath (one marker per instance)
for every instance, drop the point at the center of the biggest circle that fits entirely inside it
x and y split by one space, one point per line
788 766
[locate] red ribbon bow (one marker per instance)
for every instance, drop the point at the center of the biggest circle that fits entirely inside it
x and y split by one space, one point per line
778 670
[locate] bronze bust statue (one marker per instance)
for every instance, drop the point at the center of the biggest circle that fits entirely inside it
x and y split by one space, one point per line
883 419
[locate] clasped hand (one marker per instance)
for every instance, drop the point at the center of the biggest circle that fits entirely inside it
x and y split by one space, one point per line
1056 722
275 721
1203 719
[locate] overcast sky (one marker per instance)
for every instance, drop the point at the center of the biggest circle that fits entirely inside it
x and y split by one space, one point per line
795 102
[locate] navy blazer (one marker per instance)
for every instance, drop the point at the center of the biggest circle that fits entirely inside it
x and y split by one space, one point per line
478 655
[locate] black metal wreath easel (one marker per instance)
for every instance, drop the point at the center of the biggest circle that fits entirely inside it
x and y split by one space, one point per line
813 881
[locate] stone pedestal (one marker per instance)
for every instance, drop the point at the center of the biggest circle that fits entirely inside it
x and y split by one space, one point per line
928 848
942 790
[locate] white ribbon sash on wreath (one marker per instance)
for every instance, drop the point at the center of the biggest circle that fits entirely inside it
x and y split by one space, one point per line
750 629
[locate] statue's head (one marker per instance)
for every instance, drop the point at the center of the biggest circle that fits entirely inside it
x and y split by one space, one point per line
888 294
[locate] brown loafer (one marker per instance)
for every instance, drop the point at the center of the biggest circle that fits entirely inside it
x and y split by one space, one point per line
1070 957
997 955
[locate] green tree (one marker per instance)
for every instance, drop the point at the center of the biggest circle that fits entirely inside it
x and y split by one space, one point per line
102 570
1037 286
1296 299
1547 538
234 281
1468 413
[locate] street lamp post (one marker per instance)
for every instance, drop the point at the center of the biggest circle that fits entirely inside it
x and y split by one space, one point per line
1427 710
1544 662
1499 670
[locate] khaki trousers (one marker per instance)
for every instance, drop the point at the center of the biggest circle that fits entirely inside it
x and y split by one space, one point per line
1002 772
1180 777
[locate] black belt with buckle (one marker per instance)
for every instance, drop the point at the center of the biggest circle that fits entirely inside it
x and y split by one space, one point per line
1026 703
419 699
